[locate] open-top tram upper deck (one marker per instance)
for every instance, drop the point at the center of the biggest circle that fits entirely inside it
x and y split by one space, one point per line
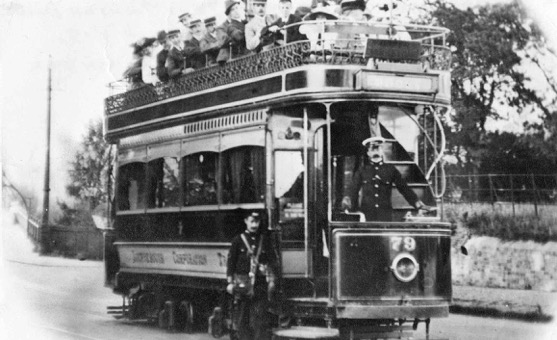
347 59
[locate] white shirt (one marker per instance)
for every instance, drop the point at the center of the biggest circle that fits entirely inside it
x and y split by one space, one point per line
149 69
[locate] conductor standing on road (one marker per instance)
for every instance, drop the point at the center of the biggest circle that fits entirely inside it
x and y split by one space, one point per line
251 273
376 180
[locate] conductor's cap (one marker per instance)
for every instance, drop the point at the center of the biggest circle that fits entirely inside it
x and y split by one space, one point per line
373 141
254 214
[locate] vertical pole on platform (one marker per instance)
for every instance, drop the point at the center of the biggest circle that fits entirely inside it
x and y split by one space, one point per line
44 238
535 190
512 193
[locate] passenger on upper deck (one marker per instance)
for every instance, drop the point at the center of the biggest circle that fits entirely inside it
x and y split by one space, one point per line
194 57
176 60
285 18
185 29
149 62
209 44
162 73
231 34
254 40
353 10
315 34
133 73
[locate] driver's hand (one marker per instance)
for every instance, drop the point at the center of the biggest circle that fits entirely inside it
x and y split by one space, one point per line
230 288
421 206
346 203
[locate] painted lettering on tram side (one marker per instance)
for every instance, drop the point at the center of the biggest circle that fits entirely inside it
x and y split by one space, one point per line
147 257
189 259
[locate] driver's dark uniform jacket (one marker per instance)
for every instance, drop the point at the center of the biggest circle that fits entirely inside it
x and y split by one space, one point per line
376 181
239 261
252 320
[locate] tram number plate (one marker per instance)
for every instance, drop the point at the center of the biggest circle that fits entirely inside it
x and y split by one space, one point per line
399 243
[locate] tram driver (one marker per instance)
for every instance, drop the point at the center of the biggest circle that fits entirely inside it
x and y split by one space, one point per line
376 179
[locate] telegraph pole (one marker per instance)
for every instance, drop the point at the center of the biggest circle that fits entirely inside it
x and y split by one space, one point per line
44 231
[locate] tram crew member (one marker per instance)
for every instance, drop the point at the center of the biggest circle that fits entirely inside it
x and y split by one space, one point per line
176 60
194 57
376 180
209 43
252 261
231 34
254 27
162 74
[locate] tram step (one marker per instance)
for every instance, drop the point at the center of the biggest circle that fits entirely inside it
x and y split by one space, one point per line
304 332
377 333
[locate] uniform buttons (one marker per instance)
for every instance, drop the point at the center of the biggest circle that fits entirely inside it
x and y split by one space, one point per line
377 186
377 205
376 168
376 195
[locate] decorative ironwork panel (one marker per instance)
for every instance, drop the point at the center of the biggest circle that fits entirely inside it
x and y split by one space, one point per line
338 52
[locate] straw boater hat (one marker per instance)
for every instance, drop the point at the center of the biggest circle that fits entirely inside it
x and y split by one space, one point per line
353 4
173 33
327 11
195 22
210 21
373 141
184 16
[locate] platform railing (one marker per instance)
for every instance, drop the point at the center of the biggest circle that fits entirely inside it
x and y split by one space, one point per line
328 43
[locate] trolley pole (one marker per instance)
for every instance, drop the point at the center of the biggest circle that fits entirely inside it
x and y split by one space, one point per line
44 230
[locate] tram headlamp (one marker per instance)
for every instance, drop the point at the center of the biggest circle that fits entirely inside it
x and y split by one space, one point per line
405 267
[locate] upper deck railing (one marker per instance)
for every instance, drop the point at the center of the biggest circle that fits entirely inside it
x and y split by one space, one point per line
329 43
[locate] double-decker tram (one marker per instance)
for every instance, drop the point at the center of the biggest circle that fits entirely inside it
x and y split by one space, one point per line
281 132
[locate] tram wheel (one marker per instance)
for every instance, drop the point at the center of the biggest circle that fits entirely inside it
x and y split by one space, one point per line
186 309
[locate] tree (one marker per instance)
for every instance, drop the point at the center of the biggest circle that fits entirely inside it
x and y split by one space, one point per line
495 49
89 173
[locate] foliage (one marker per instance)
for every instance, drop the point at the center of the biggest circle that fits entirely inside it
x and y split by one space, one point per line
77 216
89 169
499 221
491 46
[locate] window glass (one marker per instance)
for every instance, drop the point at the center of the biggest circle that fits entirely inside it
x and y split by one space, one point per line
289 191
163 183
131 186
200 185
243 175
403 128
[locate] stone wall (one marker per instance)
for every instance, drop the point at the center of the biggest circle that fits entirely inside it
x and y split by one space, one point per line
516 265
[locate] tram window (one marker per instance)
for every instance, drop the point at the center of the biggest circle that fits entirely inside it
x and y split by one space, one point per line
289 191
398 122
243 175
163 183
200 185
131 186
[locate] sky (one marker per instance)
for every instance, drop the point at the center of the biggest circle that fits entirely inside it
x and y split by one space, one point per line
88 42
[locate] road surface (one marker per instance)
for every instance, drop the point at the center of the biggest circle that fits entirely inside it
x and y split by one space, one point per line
54 298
